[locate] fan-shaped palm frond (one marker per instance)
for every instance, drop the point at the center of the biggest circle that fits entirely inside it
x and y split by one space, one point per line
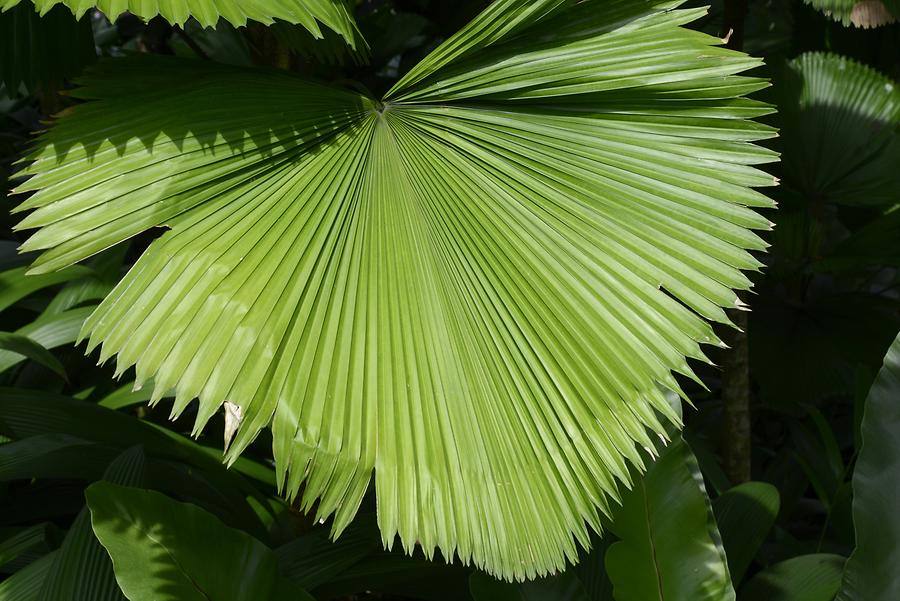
841 131
309 13
474 287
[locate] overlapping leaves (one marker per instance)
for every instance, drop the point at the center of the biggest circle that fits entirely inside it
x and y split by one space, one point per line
309 13
475 287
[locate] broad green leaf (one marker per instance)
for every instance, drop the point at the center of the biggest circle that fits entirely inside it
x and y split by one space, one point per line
840 132
745 514
40 52
490 272
871 573
804 578
168 551
309 13
670 548
23 347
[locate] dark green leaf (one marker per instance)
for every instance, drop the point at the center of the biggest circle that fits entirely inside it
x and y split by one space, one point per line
40 52
82 570
872 572
666 523
16 541
561 587
25 585
804 578
745 514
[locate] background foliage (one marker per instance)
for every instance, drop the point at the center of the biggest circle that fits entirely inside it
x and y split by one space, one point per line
99 488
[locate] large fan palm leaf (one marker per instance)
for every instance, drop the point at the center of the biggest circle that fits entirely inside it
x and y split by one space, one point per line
475 287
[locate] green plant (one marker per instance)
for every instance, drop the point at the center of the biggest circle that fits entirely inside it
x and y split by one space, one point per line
396 284
483 252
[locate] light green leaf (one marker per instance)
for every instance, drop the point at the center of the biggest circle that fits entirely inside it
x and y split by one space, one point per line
804 578
488 273
745 514
670 548
168 551
22 347
871 573
309 13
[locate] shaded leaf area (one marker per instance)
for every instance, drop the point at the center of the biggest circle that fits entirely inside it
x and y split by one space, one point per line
309 13
825 312
805 578
38 53
25 584
160 550
39 468
413 276
871 571
839 121
745 515
58 437
81 568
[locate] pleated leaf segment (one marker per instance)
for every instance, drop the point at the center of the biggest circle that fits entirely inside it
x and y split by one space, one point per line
475 287
334 14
